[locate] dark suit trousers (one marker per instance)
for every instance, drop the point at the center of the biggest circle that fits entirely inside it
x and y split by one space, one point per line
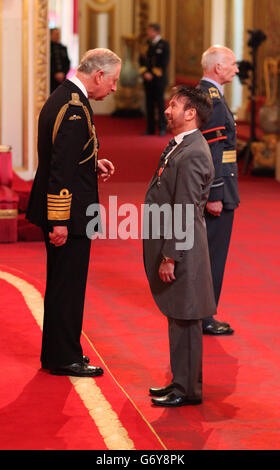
155 103
219 231
67 268
185 342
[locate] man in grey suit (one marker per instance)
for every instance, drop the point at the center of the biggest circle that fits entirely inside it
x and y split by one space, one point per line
175 247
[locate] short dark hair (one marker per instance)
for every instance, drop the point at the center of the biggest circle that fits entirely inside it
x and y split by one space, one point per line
197 99
155 26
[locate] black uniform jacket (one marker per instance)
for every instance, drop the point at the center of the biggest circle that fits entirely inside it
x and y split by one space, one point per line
220 134
65 183
155 60
59 62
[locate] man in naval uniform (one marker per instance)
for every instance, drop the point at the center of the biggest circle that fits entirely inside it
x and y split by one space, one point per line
59 60
64 186
178 266
219 67
153 69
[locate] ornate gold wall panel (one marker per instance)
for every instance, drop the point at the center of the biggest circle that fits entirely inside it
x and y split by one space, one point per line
142 12
190 20
88 17
41 54
267 18
92 15
25 66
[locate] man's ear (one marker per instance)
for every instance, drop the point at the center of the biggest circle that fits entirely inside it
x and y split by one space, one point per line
218 68
190 114
99 76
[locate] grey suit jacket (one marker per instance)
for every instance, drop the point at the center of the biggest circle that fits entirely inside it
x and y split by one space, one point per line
185 182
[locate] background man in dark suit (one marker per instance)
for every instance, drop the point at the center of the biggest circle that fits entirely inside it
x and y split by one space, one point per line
64 186
180 276
153 68
219 67
59 63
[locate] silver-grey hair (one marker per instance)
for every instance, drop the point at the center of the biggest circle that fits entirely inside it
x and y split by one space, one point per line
99 59
214 55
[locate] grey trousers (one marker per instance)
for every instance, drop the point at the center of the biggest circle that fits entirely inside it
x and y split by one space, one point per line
185 342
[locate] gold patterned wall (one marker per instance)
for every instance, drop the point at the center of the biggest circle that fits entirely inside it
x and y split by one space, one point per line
41 54
266 16
190 20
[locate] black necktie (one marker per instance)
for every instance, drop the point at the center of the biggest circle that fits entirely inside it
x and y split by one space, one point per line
168 148
163 160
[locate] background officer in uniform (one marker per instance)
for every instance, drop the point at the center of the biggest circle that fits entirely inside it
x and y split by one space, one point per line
59 63
219 67
153 68
180 276
64 186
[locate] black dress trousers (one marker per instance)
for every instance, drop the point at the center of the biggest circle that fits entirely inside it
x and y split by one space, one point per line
67 269
219 231
155 105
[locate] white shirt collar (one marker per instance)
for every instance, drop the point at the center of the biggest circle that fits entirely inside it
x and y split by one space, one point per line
218 85
178 138
79 84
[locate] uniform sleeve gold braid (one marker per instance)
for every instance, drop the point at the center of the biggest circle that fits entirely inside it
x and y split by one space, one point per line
229 156
59 206
157 71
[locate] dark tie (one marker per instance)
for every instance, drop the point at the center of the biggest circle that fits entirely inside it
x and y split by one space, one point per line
168 148
166 151
163 160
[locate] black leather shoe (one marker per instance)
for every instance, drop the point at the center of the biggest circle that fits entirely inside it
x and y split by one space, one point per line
161 392
217 329
172 400
86 360
78 370
223 323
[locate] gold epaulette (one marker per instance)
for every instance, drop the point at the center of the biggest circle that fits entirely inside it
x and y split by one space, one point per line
75 101
59 205
214 93
157 71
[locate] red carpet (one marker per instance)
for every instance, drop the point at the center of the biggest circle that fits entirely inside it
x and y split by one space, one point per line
123 328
